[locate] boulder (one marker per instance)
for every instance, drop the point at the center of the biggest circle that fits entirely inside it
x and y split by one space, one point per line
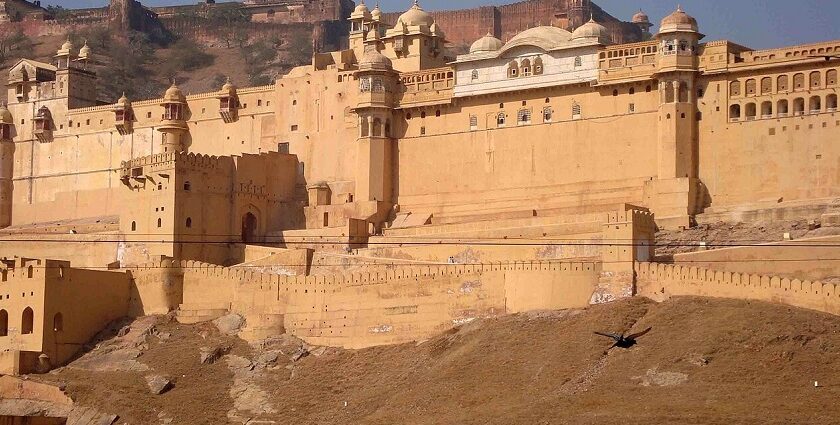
209 355
158 384
230 324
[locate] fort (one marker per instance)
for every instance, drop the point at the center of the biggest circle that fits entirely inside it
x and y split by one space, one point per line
393 188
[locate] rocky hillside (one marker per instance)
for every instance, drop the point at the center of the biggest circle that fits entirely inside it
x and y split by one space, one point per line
704 362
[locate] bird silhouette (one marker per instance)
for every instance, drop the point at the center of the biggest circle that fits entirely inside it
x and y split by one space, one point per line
622 341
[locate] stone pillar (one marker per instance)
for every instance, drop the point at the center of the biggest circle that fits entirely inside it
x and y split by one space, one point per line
628 236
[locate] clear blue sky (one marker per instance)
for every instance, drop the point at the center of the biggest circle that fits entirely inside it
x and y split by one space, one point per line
755 23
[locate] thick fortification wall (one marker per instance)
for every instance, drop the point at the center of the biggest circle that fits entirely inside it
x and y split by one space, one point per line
388 306
662 281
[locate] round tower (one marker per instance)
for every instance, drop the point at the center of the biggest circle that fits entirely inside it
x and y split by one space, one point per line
174 125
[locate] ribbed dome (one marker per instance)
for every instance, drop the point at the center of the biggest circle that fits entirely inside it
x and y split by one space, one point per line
417 16
5 115
678 21
592 30
372 59
361 11
488 43
173 94
640 18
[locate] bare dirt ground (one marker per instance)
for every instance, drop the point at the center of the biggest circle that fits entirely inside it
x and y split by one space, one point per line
705 361
723 235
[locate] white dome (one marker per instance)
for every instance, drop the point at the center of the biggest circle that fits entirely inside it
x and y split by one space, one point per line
372 59
488 43
417 16
544 37
361 11
377 13
591 30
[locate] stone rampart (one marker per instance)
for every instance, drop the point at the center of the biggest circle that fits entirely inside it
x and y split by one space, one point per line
388 305
662 281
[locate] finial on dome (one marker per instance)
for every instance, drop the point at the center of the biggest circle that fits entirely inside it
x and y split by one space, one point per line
679 8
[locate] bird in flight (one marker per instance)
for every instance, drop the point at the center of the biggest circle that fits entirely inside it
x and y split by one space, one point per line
622 341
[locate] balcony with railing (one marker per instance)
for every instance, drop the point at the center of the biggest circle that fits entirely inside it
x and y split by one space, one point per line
428 87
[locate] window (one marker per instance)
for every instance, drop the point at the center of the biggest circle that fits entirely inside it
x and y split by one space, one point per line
831 103
500 119
294 127
547 114
578 62
133 226
160 186
648 89
799 81
423 131
474 75
750 87
815 104
766 85
735 112
364 86
58 322
538 66
798 106
750 111
4 323
189 222
473 122
27 321
632 90
523 116
526 68
576 110
815 80
782 108
30 272
782 83
377 85
735 88
159 223
187 186
831 77
632 108
513 70
437 113
615 93
766 109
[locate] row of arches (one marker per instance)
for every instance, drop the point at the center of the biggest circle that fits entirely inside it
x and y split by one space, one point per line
783 83
783 108
523 116
523 68
27 322
374 127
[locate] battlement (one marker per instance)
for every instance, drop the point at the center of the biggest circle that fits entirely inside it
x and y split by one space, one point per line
804 51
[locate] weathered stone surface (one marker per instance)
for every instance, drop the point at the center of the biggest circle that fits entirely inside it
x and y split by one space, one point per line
230 324
209 355
299 354
158 384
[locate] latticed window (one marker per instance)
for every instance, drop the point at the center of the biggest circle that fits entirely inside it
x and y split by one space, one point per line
364 85
500 119
578 62
474 75
548 113
473 122
576 110
524 116
377 85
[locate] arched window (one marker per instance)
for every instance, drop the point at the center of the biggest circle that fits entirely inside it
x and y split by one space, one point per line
187 186
735 88
766 85
58 322
766 109
133 226
798 106
548 113
377 86
523 116
615 93
160 222
4 323
578 62
475 75
750 111
648 89
782 108
363 127
513 70
526 68
27 321
735 112
30 272
683 91
815 104
799 81
669 92
815 80
160 186
831 103
500 119
189 222
750 87
538 66
782 83
364 85
576 110
831 77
